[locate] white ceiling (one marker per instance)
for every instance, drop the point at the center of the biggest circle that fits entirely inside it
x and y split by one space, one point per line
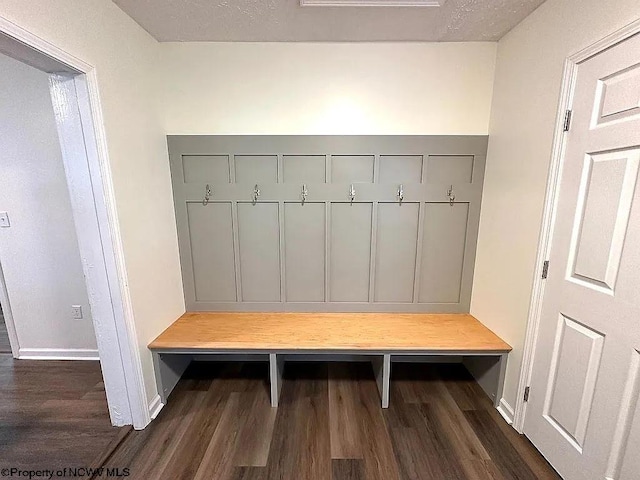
287 21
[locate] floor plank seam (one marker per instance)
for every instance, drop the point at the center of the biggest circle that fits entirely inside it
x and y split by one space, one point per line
106 455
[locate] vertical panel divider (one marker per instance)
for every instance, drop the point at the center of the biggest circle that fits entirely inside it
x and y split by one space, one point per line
281 220
373 253
327 169
425 166
232 168
280 167
234 226
327 233
419 242
283 283
374 232
376 168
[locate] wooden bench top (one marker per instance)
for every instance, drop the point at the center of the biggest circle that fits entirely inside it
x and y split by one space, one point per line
329 331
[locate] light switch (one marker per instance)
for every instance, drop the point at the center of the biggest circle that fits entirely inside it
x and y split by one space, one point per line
76 312
4 219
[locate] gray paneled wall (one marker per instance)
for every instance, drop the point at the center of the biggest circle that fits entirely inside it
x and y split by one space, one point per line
274 251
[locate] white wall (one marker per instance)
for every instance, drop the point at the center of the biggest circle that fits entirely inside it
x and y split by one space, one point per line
327 88
527 87
126 62
39 252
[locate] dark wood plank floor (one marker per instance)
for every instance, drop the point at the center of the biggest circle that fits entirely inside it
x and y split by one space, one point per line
5 346
52 414
218 424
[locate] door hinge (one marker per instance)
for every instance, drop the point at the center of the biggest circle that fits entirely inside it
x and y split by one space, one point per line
567 120
526 394
545 269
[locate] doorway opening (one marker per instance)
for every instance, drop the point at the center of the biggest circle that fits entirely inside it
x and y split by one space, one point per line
78 118
50 316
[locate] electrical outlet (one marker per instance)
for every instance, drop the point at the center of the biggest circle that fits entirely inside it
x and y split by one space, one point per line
4 219
76 312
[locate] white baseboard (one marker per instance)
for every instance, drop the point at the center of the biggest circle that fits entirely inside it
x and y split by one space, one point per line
58 354
506 411
155 406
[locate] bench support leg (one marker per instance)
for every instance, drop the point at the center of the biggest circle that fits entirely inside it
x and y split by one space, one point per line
502 365
168 369
382 370
276 368
489 372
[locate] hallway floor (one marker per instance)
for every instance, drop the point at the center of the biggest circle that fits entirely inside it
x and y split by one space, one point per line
218 424
53 414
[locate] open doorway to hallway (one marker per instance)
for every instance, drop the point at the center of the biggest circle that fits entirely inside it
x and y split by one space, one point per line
74 98
53 411
44 293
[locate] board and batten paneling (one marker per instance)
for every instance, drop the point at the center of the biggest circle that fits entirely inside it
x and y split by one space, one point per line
259 251
396 251
305 238
327 223
213 268
350 252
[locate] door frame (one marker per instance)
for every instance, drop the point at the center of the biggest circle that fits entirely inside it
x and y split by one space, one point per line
5 308
550 206
79 119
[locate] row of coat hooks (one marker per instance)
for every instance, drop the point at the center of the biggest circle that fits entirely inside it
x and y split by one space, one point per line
208 193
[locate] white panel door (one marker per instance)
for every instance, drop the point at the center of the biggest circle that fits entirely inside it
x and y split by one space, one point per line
586 378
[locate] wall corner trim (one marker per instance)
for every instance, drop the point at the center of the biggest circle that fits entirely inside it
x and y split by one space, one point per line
506 411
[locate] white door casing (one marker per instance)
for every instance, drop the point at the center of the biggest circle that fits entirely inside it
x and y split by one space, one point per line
586 372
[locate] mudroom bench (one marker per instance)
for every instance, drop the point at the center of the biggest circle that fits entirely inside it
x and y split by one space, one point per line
381 338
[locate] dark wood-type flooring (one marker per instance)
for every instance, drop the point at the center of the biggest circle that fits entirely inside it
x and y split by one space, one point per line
218 424
5 346
53 414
